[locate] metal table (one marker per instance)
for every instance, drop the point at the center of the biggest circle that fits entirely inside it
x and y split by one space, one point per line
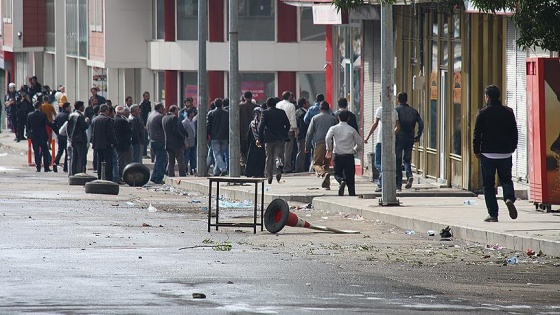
235 180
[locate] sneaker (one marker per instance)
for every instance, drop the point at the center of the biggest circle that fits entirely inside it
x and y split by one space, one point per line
55 168
279 171
327 181
409 183
399 190
511 208
491 219
341 188
378 189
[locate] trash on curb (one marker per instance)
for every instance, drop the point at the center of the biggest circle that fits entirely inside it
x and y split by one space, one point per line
494 247
470 202
531 252
195 201
446 233
152 208
409 232
431 233
513 260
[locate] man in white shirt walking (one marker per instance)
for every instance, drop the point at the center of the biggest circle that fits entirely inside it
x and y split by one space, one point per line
376 123
286 105
342 142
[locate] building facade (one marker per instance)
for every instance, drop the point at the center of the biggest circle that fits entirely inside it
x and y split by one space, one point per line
126 47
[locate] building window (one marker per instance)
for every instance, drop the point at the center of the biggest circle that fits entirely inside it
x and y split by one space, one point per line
256 20
50 32
159 27
76 28
311 84
7 11
160 88
189 86
187 19
307 30
262 85
96 15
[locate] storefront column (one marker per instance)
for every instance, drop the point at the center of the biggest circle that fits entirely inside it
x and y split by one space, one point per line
170 88
215 85
287 82
329 62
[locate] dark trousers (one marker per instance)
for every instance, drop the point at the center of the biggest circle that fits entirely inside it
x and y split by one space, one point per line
403 150
62 143
179 156
21 127
79 157
40 148
105 155
345 170
489 168
300 157
124 159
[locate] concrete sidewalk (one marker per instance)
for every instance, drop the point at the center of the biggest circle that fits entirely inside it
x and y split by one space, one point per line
424 207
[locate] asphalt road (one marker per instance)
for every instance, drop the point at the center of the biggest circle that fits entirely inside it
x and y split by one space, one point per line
66 252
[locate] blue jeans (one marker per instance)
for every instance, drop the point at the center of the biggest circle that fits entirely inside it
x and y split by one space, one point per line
190 156
378 163
158 149
137 151
489 168
403 149
219 148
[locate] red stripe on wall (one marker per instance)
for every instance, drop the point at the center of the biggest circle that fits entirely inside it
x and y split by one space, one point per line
329 61
216 18
286 23
169 20
286 82
215 85
170 88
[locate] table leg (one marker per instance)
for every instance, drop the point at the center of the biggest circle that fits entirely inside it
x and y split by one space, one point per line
217 203
256 200
262 205
209 204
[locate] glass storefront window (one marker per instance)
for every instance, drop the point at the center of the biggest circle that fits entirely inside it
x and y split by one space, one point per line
83 28
187 19
160 95
433 106
457 95
159 28
262 85
307 30
50 32
256 20
311 84
189 86
72 27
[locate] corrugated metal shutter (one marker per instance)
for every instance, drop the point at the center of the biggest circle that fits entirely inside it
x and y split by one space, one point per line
371 90
516 97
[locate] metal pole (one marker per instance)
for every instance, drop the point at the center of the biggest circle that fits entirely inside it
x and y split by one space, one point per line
202 139
388 158
234 136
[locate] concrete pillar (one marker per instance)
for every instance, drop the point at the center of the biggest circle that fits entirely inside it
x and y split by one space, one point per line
146 84
71 80
84 81
60 43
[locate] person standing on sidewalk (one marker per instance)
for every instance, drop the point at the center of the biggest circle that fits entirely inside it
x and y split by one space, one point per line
273 132
138 131
59 121
78 125
342 142
494 141
103 140
287 106
301 157
217 126
123 131
245 117
316 134
37 122
174 141
376 123
157 142
145 109
405 138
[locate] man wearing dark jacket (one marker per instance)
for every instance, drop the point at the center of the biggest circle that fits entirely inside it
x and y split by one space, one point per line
77 128
157 142
103 140
36 127
301 157
273 132
146 108
123 133
495 140
404 141
60 119
352 120
217 126
245 117
138 133
174 142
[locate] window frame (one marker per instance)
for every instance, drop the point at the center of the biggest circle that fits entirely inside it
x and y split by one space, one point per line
7 11
96 16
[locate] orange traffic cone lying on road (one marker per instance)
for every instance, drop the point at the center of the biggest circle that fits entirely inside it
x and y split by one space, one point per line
278 215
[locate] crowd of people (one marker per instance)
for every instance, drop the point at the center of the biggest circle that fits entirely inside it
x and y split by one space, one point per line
279 136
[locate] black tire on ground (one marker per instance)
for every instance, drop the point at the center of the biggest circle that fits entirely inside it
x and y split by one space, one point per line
80 179
276 215
102 187
136 174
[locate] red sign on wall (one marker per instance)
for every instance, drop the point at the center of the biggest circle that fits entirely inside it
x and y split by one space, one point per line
255 87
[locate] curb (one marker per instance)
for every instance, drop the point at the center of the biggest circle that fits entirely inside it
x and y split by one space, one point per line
514 242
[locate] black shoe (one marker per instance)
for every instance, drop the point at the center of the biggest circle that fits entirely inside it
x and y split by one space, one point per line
38 170
491 219
269 180
512 210
341 188
55 168
47 170
327 181
409 183
279 172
